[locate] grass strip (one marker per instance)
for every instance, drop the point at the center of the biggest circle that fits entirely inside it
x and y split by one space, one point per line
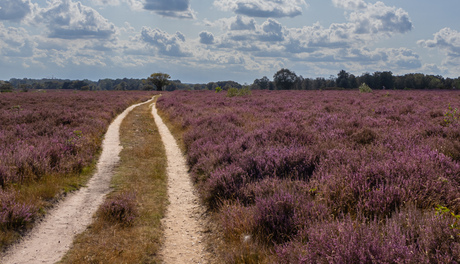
130 235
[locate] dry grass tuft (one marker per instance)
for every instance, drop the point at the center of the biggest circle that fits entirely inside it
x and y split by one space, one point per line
142 170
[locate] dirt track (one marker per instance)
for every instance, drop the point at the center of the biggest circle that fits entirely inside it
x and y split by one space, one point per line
51 238
183 223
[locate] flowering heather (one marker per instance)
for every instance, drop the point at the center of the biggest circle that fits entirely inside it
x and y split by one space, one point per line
313 172
120 208
50 133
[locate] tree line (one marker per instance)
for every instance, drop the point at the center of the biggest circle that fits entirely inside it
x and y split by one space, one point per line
283 79
286 79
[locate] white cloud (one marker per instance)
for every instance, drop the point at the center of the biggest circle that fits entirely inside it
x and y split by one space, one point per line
236 23
367 24
170 8
106 2
404 58
15 42
263 8
164 43
242 23
447 40
137 5
310 38
206 38
350 4
69 20
273 31
379 18
14 10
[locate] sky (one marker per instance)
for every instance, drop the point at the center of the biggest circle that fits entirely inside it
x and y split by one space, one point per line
199 41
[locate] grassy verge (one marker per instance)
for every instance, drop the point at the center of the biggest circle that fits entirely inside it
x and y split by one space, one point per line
134 235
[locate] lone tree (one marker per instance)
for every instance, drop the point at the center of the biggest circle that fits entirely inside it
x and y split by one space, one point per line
285 79
159 80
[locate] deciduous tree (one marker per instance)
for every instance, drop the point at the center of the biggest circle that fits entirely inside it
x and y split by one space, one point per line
159 80
285 79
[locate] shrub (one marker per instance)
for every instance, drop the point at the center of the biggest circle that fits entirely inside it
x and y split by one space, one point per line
452 116
231 92
364 136
14 214
275 217
364 88
120 208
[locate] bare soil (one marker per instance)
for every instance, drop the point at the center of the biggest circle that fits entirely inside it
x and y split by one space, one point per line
53 236
184 222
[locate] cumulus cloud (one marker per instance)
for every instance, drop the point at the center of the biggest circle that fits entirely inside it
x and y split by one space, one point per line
170 8
242 23
379 18
350 4
206 38
166 44
273 31
69 20
263 8
14 10
366 23
106 2
270 31
15 42
446 39
403 59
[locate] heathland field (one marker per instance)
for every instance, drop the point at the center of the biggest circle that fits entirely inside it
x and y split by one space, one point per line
286 176
326 176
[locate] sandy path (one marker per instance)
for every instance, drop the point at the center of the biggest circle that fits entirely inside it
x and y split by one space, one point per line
183 226
50 240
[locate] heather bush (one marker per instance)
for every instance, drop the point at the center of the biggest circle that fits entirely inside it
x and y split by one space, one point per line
121 208
275 217
224 184
14 214
411 236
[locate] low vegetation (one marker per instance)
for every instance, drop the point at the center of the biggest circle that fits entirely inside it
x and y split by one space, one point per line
364 88
326 176
231 92
127 227
48 144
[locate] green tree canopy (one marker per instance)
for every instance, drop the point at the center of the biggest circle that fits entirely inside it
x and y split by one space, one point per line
159 80
284 79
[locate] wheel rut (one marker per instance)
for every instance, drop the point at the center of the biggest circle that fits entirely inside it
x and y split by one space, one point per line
183 223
